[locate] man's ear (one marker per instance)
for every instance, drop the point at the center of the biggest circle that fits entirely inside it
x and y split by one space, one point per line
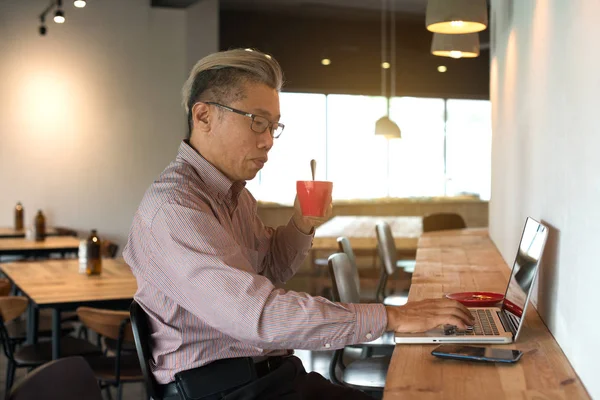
201 118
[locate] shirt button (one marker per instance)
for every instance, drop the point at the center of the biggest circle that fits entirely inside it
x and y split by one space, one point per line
327 345
369 336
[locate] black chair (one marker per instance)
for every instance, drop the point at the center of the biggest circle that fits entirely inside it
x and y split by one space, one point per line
366 374
109 249
141 336
442 222
68 378
115 367
32 355
61 231
388 255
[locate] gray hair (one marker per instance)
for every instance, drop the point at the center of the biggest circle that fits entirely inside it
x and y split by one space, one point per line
220 77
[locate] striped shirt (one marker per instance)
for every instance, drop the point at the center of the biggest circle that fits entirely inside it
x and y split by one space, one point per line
206 267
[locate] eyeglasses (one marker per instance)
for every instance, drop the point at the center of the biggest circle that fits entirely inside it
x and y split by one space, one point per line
259 123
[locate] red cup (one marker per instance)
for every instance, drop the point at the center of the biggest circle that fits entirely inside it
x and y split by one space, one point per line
314 196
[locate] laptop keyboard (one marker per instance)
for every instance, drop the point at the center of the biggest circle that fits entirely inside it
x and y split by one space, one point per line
484 325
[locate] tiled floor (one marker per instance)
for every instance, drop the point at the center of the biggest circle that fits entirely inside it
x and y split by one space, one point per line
312 360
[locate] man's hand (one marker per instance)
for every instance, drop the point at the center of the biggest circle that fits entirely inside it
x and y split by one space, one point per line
420 316
306 224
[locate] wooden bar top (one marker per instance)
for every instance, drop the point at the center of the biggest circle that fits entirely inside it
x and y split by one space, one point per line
58 281
456 261
360 230
50 243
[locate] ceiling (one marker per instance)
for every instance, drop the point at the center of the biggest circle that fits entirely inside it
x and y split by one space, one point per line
342 8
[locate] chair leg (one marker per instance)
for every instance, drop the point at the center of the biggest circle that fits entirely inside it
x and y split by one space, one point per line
108 393
120 391
10 377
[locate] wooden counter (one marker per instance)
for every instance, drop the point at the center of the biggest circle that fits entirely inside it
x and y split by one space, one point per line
467 260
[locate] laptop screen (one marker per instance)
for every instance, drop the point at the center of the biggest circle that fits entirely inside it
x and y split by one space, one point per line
524 270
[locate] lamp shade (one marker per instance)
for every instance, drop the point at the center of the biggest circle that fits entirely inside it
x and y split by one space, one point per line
388 128
455 46
456 16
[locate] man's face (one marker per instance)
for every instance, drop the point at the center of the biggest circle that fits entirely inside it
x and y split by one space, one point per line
241 152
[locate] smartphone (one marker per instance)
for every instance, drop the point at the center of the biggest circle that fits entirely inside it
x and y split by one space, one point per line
460 352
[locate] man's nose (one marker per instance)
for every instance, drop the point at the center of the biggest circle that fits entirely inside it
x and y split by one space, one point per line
265 140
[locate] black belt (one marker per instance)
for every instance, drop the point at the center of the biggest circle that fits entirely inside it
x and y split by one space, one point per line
261 368
268 365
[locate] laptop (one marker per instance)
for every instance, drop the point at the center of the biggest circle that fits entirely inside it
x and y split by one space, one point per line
497 324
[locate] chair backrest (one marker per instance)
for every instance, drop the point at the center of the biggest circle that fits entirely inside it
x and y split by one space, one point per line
108 323
346 248
12 306
5 287
141 334
61 231
442 222
68 378
386 247
343 278
109 249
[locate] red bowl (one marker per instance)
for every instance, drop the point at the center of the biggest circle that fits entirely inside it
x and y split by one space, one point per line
476 299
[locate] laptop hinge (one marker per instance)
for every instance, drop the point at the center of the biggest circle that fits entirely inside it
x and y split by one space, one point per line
506 322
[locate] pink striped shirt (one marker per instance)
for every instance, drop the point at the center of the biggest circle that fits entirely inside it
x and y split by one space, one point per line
206 267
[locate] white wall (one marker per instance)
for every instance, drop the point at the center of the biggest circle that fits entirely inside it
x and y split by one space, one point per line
545 88
198 43
90 113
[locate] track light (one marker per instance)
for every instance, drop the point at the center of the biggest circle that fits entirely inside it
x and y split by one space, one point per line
59 17
79 3
43 28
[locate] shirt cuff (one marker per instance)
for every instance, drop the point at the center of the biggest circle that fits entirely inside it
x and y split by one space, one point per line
296 237
371 321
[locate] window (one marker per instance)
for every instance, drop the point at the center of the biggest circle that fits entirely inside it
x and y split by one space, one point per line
469 147
445 147
354 154
303 139
417 159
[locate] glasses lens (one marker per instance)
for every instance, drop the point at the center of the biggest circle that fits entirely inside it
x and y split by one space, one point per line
259 124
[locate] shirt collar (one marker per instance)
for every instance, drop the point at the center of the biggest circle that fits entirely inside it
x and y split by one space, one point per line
219 184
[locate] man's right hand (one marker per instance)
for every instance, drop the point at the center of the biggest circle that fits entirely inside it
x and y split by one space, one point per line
420 316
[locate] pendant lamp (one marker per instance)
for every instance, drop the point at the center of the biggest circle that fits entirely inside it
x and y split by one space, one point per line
456 16
384 125
455 46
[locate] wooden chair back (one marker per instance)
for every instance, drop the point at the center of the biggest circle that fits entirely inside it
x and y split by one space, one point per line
442 222
5 287
12 307
107 323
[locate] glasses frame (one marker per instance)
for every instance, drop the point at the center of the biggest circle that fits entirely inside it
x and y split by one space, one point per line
272 126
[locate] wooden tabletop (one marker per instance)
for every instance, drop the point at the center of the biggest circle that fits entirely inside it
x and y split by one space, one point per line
360 230
466 261
20 233
50 243
58 281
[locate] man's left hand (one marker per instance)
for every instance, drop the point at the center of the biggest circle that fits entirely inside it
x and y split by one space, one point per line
307 224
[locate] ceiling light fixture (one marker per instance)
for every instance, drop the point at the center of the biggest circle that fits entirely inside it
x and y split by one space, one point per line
455 46
456 16
79 3
43 28
326 61
59 15
384 125
442 68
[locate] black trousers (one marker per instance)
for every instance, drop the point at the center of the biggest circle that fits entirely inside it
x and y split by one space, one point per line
290 382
